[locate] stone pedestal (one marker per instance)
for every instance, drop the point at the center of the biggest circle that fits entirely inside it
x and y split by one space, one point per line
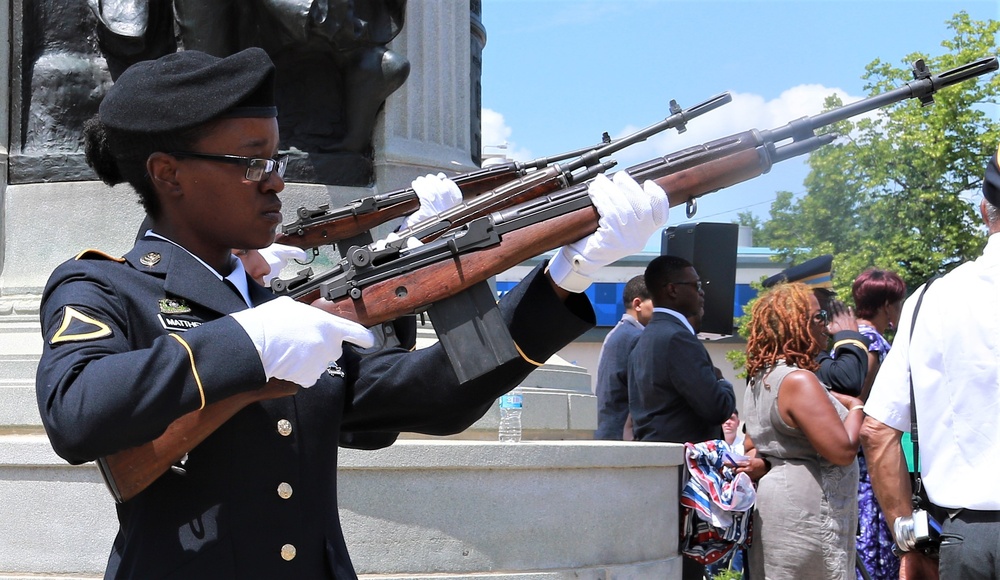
543 510
462 510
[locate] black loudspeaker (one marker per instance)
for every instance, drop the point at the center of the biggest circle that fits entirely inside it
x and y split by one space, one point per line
711 247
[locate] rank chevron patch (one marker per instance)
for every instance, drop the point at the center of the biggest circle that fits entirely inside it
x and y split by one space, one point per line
77 327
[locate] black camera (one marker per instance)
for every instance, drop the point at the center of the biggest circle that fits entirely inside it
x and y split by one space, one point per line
919 531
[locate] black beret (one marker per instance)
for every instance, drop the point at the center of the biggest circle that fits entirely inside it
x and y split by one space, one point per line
187 88
817 272
991 182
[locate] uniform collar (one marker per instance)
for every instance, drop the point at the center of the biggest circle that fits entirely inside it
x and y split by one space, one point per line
184 276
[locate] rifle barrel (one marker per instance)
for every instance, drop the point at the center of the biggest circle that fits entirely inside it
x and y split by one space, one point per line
920 88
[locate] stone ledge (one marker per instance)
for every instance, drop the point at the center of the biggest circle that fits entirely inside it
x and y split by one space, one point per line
33 450
670 568
448 454
29 450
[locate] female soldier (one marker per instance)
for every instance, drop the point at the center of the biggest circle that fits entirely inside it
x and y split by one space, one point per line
134 343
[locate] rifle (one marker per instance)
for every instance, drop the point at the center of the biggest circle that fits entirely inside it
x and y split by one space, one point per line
372 286
484 190
320 226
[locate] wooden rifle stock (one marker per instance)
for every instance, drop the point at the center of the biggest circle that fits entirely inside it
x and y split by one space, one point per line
530 186
683 186
128 472
343 227
410 291
355 218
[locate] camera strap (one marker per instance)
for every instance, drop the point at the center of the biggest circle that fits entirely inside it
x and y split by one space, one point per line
917 482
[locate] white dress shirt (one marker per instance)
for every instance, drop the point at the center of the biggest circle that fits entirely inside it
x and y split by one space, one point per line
676 315
954 358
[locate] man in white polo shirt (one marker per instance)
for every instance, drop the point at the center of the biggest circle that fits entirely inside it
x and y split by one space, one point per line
954 360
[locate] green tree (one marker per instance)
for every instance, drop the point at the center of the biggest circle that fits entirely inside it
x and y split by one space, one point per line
898 189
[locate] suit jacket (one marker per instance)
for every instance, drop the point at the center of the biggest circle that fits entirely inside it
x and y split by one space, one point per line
673 392
127 342
612 379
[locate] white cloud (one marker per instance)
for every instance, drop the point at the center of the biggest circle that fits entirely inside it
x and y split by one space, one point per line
496 138
746 111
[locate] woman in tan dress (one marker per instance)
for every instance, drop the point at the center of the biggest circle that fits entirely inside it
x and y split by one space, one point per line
805 518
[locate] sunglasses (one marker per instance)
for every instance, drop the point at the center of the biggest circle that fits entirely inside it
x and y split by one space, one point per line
695 283
258 169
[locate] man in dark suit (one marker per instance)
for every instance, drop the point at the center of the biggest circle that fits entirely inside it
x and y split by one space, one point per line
612 366
675 393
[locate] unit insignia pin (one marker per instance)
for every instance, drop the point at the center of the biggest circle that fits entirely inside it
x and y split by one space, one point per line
334 370
150 259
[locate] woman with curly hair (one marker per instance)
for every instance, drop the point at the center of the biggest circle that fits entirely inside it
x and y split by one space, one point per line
806 512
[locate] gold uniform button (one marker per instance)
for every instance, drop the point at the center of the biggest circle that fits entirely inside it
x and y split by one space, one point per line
288 552
284 427
284 490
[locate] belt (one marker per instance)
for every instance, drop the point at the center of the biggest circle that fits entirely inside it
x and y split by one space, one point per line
975 515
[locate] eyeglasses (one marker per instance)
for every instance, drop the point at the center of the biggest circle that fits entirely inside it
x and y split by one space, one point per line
258 169
695 283
821 317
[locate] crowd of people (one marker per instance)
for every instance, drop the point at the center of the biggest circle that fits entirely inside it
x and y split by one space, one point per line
830 408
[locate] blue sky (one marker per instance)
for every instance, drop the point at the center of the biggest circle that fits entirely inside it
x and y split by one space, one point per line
558 73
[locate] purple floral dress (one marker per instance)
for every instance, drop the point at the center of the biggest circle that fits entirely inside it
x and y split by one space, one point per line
874 538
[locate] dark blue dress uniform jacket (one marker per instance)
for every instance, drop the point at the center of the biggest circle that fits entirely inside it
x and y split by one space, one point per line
114 375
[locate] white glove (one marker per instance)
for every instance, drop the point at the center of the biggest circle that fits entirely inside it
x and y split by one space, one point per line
277 256
436 193
629 216
297 342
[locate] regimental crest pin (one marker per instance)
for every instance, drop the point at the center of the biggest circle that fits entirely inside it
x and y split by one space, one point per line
150 259
174 306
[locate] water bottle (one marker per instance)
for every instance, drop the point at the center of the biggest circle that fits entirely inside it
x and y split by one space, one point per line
510 417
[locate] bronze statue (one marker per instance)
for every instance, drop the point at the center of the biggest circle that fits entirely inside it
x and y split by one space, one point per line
334 71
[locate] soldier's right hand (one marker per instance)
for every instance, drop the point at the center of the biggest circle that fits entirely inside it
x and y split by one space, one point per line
297 342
